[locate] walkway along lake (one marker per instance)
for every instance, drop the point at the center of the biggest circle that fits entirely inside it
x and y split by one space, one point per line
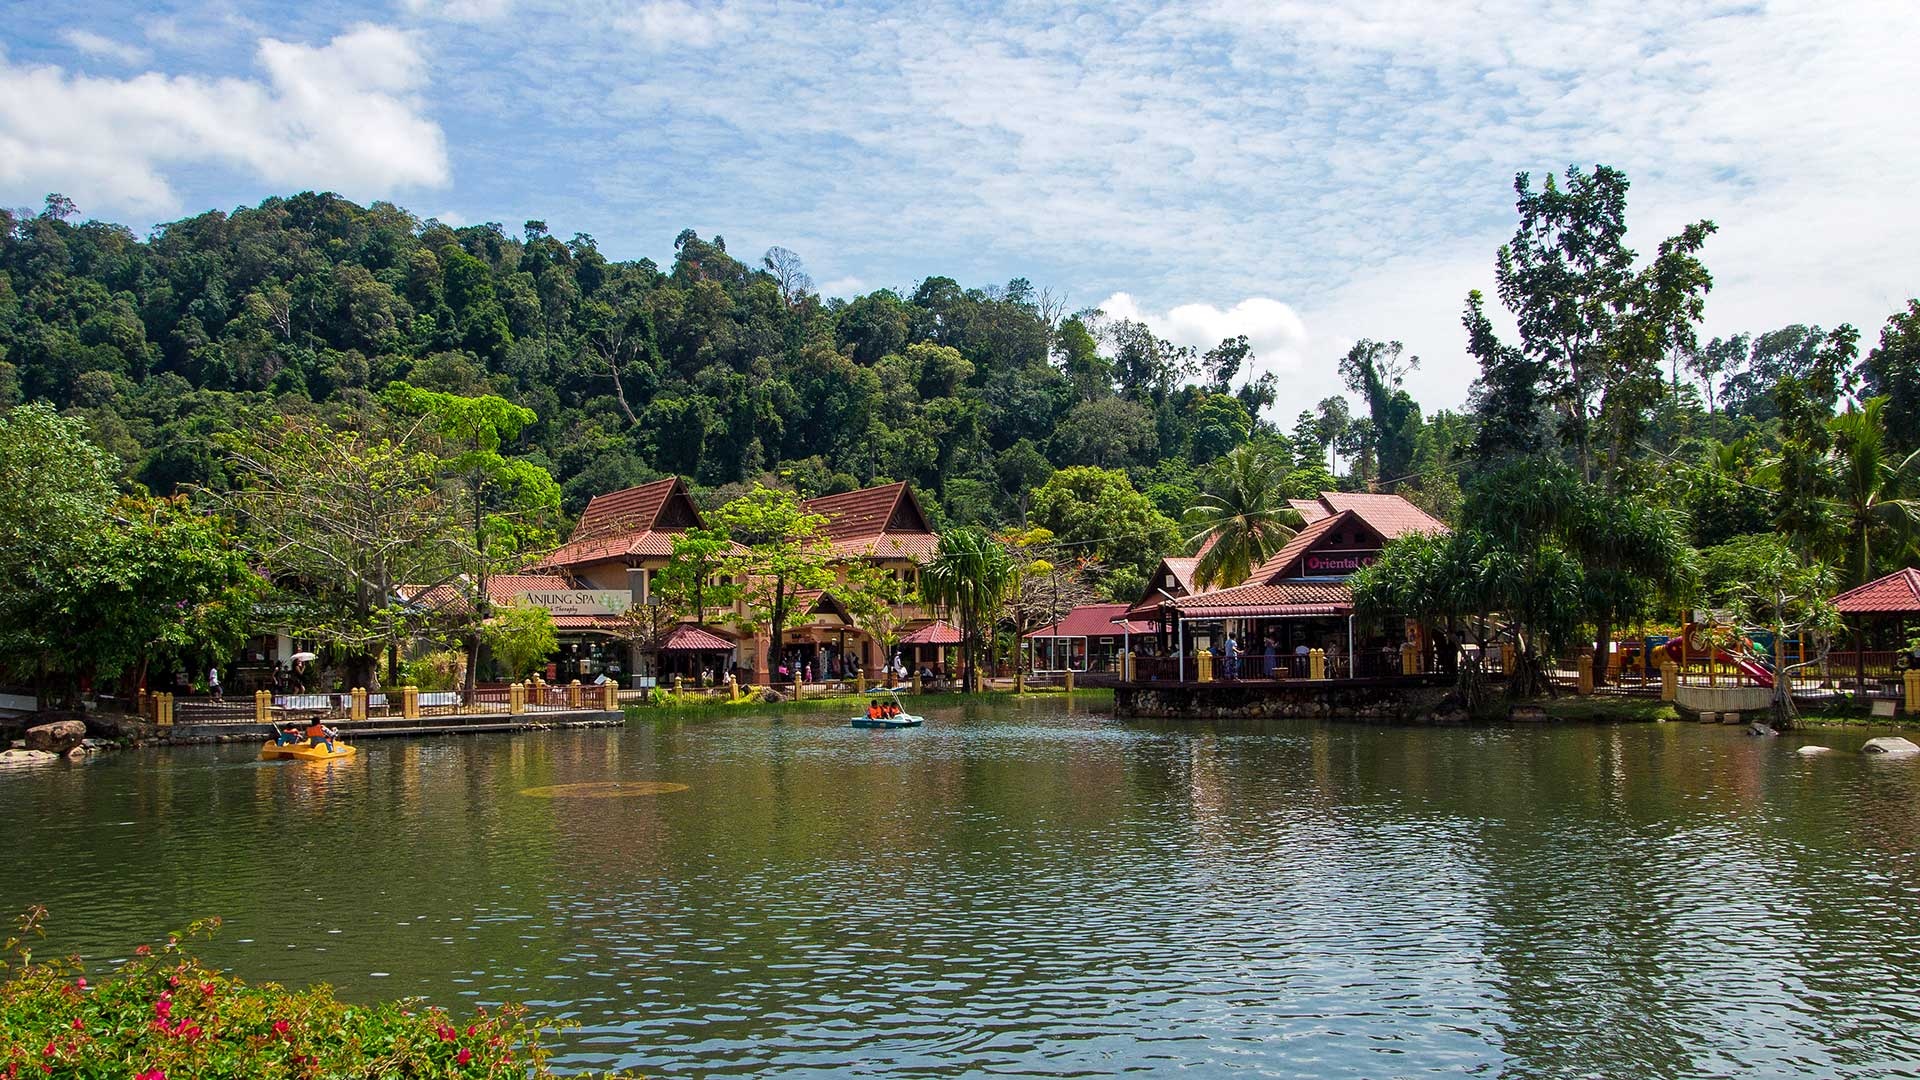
1023 889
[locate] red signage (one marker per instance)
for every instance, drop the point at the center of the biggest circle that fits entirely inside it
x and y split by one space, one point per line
1338 563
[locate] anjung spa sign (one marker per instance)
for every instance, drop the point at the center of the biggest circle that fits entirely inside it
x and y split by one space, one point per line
581 601
1339 563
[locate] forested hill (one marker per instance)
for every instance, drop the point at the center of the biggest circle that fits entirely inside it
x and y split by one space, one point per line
718 368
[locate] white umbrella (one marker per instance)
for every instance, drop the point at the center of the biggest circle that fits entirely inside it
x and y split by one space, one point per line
304 656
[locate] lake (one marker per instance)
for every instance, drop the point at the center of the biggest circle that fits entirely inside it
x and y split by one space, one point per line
1030 889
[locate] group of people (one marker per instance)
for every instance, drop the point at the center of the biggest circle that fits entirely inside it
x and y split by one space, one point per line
878 710
315 734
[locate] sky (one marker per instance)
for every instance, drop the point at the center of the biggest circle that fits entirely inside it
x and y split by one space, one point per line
1305 172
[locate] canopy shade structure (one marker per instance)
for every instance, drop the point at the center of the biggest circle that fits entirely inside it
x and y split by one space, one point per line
938 632
1896 594
688 638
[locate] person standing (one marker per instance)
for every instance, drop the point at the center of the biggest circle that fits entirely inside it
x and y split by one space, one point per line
213 683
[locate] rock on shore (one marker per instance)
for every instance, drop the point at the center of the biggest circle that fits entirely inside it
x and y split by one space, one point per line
1890 744
57 737
12 758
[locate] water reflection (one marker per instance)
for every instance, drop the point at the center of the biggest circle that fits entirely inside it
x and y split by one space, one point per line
1025 890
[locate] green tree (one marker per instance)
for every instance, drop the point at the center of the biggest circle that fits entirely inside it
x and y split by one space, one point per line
1241 518
1097 512
56 489
519 636
969 576
1878 494
1769 587
780 551
510 504
1892 370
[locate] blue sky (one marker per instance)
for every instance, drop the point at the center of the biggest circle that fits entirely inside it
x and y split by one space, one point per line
1303 172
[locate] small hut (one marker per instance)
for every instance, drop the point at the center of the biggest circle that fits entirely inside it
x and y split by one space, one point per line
1892 600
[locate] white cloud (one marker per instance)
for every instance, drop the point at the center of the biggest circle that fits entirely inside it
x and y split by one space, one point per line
104 47
344 115
678 23
846 287
473 11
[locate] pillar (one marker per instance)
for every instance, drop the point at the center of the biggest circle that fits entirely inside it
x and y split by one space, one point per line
1019 680
263 706
860 682
143 702
1203 666
1913 691
1506 658
1669 679
679 682
796 687
573 694
916 682
1069 680
1409 658
410 702
610 696
357 710
163 709
516 698
1583 664
1317 664
762 669
1126 665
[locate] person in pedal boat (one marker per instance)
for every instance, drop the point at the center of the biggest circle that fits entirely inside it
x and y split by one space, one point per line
288 735
319 733
873 710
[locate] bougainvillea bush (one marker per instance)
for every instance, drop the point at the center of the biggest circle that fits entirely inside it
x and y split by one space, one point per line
164 1016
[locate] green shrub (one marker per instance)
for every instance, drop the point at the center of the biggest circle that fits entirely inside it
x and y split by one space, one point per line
162 1014
435 671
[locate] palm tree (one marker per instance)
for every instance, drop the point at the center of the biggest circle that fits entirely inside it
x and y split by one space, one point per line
1875 494
969 576
1242 519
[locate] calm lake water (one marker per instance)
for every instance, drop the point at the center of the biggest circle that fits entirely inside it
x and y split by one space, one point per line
1021 889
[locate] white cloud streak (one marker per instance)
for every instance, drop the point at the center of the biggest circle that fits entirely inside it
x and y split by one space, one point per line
103 47
343 115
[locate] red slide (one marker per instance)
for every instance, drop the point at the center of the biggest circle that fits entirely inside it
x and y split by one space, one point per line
1749 668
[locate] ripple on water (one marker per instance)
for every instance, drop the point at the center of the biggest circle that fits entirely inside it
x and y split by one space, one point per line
1019 891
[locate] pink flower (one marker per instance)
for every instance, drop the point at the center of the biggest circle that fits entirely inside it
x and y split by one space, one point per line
151 1074
206 988
144 950
446 1032
77 1025
81 983
280 1028
465 1055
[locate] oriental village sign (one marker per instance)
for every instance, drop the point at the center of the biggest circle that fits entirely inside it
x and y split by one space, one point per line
581 601
1338 563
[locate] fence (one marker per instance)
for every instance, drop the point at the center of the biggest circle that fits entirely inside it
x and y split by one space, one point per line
506 700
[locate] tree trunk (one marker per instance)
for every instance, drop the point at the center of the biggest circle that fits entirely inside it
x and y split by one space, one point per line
1602 638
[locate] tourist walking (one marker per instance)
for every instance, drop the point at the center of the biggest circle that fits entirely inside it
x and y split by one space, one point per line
213 684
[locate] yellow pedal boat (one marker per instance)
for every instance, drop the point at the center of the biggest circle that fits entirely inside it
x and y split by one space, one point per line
304 752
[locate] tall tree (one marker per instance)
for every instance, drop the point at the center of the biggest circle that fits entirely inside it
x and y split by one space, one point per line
1878 493
780 552
1892 370
1241 518
1376 371
969 575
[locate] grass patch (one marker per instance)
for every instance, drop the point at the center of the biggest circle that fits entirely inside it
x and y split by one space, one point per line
667 705
1606 709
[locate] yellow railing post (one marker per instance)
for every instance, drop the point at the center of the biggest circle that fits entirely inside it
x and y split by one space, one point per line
1409 659
1069 680
1019 680
1316 663
1669 679
1913 691
163 709
796 688
357 707
916 682
679 683
860 683
516 698
1203 666
410 702
263 706
610 695
573 694
1583 667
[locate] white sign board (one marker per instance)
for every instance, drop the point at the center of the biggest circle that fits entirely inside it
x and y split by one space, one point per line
581 601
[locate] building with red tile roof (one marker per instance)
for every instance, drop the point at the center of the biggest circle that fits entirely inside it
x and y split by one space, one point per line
1896 594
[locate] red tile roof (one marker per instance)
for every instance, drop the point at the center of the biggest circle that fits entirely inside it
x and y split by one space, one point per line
1310 510
1181 567
1296 547
1896 594
451 596
1093 620
876 522
689 638
937 632
1390 515
1281 598
638 521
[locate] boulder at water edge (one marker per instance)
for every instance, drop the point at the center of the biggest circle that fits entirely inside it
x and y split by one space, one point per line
57 737
1890 744
1758 728
1809 751
11 758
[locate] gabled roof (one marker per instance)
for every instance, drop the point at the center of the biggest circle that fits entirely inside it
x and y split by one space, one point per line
877 522
1896 594
1181 567
1280 598
1390 515
937 632
1303 540
622 524
690 638
1093 620
1310 510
